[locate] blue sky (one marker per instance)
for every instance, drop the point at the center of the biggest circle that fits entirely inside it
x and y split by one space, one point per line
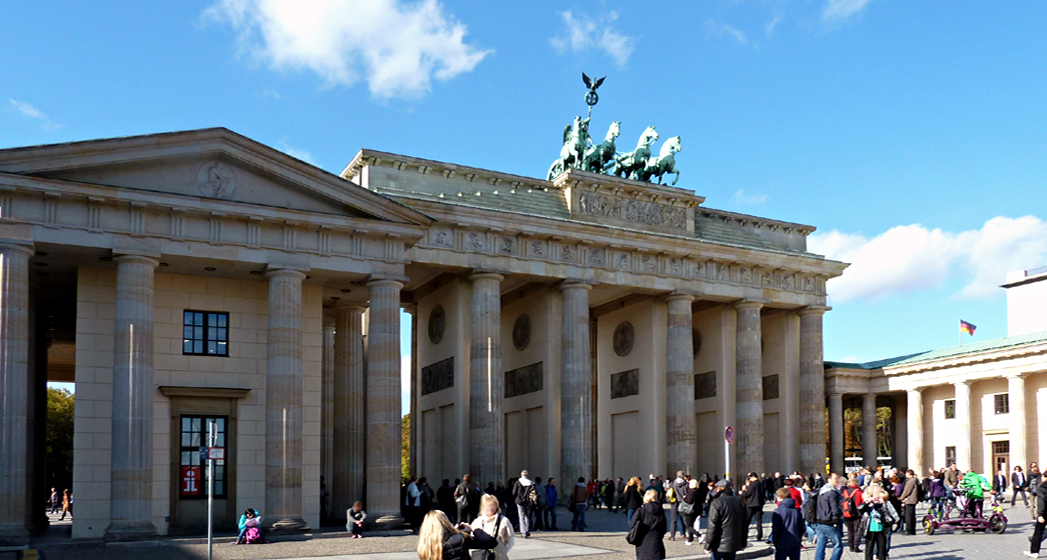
913 134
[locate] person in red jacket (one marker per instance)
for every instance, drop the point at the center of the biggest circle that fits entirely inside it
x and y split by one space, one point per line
852 500
796 493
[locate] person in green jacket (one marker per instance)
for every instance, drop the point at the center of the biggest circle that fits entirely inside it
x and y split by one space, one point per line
975 485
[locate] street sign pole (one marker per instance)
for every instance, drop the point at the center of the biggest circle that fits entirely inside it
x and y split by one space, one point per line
728 436
212 440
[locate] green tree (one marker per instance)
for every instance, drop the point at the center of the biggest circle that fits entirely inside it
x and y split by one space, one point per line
405 447
61 406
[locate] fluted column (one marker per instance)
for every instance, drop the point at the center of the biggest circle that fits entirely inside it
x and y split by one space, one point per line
486 418
283 402
14 389
836 443
915 410
681 450
749 392
869 442
576 412
415 413
812 391
131 503
327 410
1018 434
963 425
382 473
350 421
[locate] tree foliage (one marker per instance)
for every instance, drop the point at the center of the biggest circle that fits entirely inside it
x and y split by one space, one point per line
61 406
405 447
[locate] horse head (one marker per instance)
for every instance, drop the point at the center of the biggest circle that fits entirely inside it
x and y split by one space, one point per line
670 146
649 136
612 131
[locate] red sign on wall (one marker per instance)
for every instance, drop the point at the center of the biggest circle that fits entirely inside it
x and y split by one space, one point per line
192 482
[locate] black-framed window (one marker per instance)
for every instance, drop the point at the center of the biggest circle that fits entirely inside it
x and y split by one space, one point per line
950 455
205 333
1002 403
194 430
950 409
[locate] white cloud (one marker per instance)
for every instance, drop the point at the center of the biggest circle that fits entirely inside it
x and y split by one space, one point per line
30 112
714 28
744 198
910 258
842 10
583 32
769 28
303 155
396 47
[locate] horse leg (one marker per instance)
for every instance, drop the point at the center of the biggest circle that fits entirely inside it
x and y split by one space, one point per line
677 177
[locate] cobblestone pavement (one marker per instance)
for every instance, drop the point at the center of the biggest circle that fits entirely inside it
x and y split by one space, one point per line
605 540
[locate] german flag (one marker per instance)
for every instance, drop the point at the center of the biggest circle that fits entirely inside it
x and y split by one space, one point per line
966 327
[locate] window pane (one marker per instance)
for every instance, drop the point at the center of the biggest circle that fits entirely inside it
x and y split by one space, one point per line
222 319
185 439
185 424
221 425
212 348
221 440
223 349
196 425
219 488
198 319
221 335
198 347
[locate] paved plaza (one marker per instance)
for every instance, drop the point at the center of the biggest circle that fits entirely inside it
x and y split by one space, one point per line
604 541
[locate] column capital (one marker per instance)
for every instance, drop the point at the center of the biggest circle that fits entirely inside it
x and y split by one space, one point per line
679 297
396 281
344 306
136 259
284 273
1019 375
915 389
27 250
868 396
813 310
966 382
836 395
485 275
575 285
748 304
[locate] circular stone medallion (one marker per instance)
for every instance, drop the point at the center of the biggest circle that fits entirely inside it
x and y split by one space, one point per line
522 332
215 179
623 339
437 321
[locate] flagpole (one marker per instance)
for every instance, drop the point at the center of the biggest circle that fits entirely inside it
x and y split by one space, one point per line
959 333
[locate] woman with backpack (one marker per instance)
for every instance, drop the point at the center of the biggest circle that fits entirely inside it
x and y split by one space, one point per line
250 528
647 529
877 517
438 539
492 522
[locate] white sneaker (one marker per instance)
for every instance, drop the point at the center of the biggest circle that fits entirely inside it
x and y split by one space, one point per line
689 543
1031 554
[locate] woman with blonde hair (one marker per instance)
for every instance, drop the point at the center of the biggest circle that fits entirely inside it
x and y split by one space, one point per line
438 539
648 527
633 499
492 522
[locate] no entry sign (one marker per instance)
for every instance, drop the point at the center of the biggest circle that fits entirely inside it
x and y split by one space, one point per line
728 434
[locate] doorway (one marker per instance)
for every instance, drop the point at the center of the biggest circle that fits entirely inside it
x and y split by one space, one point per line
1001 456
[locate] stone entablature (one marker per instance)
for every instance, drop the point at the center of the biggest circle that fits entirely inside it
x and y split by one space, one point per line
610 200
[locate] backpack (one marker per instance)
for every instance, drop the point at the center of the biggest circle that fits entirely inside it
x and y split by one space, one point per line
670 495
810 509
253 535
462 499
850 503
531 496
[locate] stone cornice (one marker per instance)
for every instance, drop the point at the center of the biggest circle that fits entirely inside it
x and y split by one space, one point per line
207 392
399 162
951 362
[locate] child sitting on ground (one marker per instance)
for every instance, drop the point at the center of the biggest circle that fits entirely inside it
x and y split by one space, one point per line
355 520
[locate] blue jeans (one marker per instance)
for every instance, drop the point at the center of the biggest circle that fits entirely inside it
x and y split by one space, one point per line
629 518
578 521
549 512
826 533
724 555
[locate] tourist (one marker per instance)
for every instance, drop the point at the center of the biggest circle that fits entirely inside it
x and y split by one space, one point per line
727 532
910 497
577 505
787 527
492 522
539 507
1019 483
250 526
999 482
440 540
794 492
608 495
829 518
677 488
975 486
445 500
701 504
1041 521
633 499
67 504
54 502
752 495
413 504
852 517
552 499
525 495
690 507
354 520
937 493
878 515
648 525
467 499
619 494
1035 480
894 491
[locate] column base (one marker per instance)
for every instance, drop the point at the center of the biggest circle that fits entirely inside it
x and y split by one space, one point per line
129 531
388 523
291 525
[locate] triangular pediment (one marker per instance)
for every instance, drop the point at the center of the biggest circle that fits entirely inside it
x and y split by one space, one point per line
210 163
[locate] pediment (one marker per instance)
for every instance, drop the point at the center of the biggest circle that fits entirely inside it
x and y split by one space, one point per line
213 164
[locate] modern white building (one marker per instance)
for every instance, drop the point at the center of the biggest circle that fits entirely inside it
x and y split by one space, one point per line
981 405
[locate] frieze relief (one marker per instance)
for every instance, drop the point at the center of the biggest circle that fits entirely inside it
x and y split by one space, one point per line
636 211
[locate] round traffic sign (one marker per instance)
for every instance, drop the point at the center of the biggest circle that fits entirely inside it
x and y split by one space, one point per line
728 434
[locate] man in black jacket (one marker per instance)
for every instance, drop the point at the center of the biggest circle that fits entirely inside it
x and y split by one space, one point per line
728 532
1041 521
679 488
753 496
829 514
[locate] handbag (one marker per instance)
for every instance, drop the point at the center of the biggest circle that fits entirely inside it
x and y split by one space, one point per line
637 531
685 508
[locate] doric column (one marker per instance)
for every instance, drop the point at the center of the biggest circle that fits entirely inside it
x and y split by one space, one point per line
283 402
963 425
486 419
349 418
327 411
14 389
869 441
131 501
681 450
915 410
812 391
382 474
412 309
836 444
749 392
576 412
1018 435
